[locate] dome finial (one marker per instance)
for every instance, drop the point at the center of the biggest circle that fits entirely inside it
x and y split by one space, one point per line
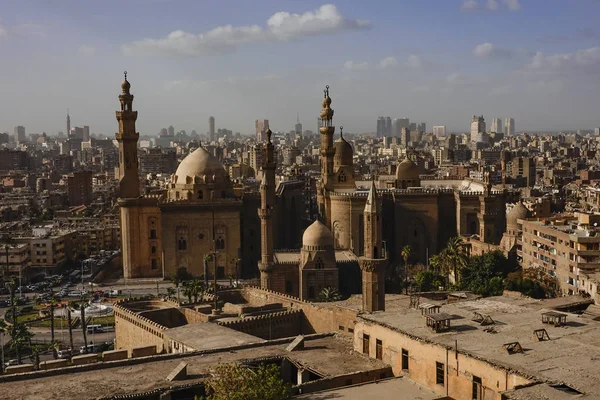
125 85
341 131
125 73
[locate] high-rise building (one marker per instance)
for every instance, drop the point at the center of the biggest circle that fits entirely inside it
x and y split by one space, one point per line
79 188
380 126
20 133
477 126
171 130
398 124
68 122
509 127
524 168
211 128
496 125
597 131
261 126
388 126
86 133
439 130
298 126
422 127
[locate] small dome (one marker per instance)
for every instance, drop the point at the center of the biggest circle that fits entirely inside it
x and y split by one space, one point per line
407 170
518 212
317 235
343 152
125 86
198 164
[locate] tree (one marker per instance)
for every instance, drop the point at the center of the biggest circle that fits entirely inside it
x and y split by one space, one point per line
52 303
428 280
207 258
236 382
405 253
82 304
19 338
171 293
181 275
70 323
485 274
7 243
455 256
197 289
188 292
329 295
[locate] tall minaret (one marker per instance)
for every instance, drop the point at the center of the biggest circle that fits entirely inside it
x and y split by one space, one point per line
265 212
327 151
68 123
374 261
129 180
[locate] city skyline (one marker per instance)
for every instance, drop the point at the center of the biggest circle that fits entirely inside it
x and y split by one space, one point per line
188 65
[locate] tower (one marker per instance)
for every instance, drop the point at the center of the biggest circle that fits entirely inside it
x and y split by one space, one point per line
327 151
265 213
211 128
298 127
68 123
374 261
129 180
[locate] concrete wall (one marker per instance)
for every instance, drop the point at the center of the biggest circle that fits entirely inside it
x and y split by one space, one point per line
144 351
46 365
19 369
459 368
114 355
85 359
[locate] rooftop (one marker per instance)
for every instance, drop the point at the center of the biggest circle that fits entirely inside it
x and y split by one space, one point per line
206 335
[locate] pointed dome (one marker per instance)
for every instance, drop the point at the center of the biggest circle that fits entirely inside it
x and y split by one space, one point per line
200 163
317 235
343 152
518 212
407 170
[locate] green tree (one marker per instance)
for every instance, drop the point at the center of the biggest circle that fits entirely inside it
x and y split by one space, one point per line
455 257
485 274
188 292
206 259
20 337
236 382
428 280
406 253
7 243
329 295
70 323
52 303
82 304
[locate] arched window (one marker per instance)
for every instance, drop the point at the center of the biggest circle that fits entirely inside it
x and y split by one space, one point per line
200 195
342 177
153 249
181 244
220 243
319 264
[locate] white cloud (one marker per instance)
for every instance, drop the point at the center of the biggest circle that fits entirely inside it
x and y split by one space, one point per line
580 59
2 32
488 50
356 66
414 61
233 81
87 51
492 5
388 62
468 5
513 5
280 26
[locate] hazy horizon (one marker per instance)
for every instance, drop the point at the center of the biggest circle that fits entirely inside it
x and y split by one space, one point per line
438 62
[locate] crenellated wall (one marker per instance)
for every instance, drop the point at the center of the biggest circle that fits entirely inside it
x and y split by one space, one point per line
269 326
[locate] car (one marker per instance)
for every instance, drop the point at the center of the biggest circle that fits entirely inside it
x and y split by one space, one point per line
90 348
4 303
10 363
65 354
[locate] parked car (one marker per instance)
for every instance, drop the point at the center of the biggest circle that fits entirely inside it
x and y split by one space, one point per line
65 353
10 363
90 348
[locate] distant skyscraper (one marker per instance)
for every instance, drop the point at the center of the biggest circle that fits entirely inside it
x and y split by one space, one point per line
68 122
298 126
86 133
509 126
422 127
439 130
380 126
211 128
20 133
171 130
388 126
412 126
597 131
261 127
477 126
496 125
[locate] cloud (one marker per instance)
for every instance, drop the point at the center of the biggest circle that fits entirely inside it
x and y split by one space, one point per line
281 26
488 51
233 81
30 30
87 51
355 66
490 5
2 32
388 62
413 61
584 59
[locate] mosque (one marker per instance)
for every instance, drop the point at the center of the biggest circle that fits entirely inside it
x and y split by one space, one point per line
362 226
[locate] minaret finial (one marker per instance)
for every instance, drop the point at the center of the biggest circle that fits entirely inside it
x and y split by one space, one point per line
341 131
125 73
326 90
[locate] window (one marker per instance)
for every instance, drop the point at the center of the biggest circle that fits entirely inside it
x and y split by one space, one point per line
366 344
476 395
288 287
378 349
439 373
341 327
318 263
154 264
152 233
342 178
350 330
153 249
220 243
181 244
405 359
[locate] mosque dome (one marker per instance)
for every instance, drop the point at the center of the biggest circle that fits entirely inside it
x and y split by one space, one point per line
200 163
407 170
317 235
343 152
518 212
125 86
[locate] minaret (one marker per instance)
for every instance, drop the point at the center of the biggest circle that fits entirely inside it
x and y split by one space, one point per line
265 213
374 261
129 180
68 123
327 151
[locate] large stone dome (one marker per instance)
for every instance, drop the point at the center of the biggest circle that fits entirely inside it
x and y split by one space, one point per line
317 236
200 164
343 152
518 212
407 170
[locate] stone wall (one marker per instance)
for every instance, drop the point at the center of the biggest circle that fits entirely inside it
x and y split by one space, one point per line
354 378
459 368
269 326
132 329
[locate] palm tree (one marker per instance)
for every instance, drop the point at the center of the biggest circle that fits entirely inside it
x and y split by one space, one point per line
53 302
405 253
3 330
188 292
197 289
19 338
82 304
171 293
70 323
456 256
207 258
330 294
7 242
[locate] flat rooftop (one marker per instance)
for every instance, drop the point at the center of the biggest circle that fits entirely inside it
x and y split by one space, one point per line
570 356
329 356
207 335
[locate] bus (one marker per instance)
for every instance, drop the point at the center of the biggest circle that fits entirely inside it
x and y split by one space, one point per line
95 329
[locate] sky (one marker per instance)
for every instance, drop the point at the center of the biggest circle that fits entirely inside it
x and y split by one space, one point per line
437 61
